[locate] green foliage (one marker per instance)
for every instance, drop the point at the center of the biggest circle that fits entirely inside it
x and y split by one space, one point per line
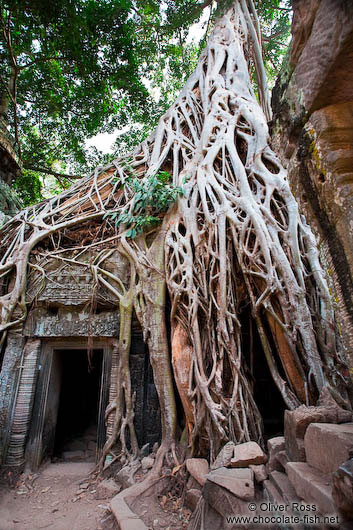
275 19
77 74
94 66
28 187
152 199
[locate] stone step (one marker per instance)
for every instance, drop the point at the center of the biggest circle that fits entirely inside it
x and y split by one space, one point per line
284 486
328 445
272 494
312 486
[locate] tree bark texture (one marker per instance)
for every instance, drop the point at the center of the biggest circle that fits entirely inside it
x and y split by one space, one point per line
236 239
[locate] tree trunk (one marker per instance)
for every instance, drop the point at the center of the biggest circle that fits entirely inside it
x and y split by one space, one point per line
235 240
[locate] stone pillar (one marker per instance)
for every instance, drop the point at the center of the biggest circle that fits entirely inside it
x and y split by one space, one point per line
22 410
9 379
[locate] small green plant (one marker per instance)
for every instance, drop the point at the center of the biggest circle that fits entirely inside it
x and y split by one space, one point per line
153 197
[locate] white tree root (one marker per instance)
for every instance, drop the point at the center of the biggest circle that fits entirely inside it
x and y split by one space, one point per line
235 239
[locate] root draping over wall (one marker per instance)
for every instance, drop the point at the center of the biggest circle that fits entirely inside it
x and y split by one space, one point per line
234 240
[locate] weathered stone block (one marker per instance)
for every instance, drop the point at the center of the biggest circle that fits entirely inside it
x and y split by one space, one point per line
192 498
260 472
213 520
275 446
239 481
198 468
296 423
73 455
282 459
327 446
272 494
312 486
224 456
247 453
342 489
223 501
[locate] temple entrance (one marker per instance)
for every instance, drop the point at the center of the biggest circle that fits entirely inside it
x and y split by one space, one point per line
71 398
78 410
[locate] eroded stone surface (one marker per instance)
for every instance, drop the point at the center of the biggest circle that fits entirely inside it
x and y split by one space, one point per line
247 453
224 456
198 468
296 423
342 489
239 481
260 472
327 446
275 446
312 486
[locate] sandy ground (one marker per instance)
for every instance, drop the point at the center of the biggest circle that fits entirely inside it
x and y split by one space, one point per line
59 498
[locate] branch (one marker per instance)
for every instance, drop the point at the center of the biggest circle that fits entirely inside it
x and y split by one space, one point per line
51 172
42 60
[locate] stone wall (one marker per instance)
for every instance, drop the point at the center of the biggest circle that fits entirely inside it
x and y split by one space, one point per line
313 132
63 314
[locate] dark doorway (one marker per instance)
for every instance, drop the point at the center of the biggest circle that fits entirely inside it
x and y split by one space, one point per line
79 403
265 392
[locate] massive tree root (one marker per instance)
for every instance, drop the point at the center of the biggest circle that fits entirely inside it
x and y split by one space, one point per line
235 240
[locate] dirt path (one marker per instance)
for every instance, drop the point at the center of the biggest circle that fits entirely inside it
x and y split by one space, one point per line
59 498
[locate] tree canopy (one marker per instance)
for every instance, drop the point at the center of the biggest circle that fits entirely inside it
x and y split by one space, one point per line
70 70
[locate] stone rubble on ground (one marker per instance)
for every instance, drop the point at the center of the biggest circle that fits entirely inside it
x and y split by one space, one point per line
198 469
239 481
248 453
311 464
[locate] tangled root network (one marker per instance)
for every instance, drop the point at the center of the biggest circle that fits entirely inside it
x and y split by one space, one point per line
233 245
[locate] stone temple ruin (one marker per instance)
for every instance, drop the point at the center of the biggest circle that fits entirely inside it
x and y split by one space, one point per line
66 354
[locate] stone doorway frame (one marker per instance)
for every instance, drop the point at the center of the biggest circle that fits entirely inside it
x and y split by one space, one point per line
35 451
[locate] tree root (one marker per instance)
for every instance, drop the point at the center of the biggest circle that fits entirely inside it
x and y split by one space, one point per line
236 239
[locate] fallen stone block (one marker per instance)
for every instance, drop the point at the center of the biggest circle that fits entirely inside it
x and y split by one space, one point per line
282 458
342 489
327 445
312 486
247 453
272 494
260 472
192 498
239 481
198 468
275 446
223 501
213 520
296 423
224 456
